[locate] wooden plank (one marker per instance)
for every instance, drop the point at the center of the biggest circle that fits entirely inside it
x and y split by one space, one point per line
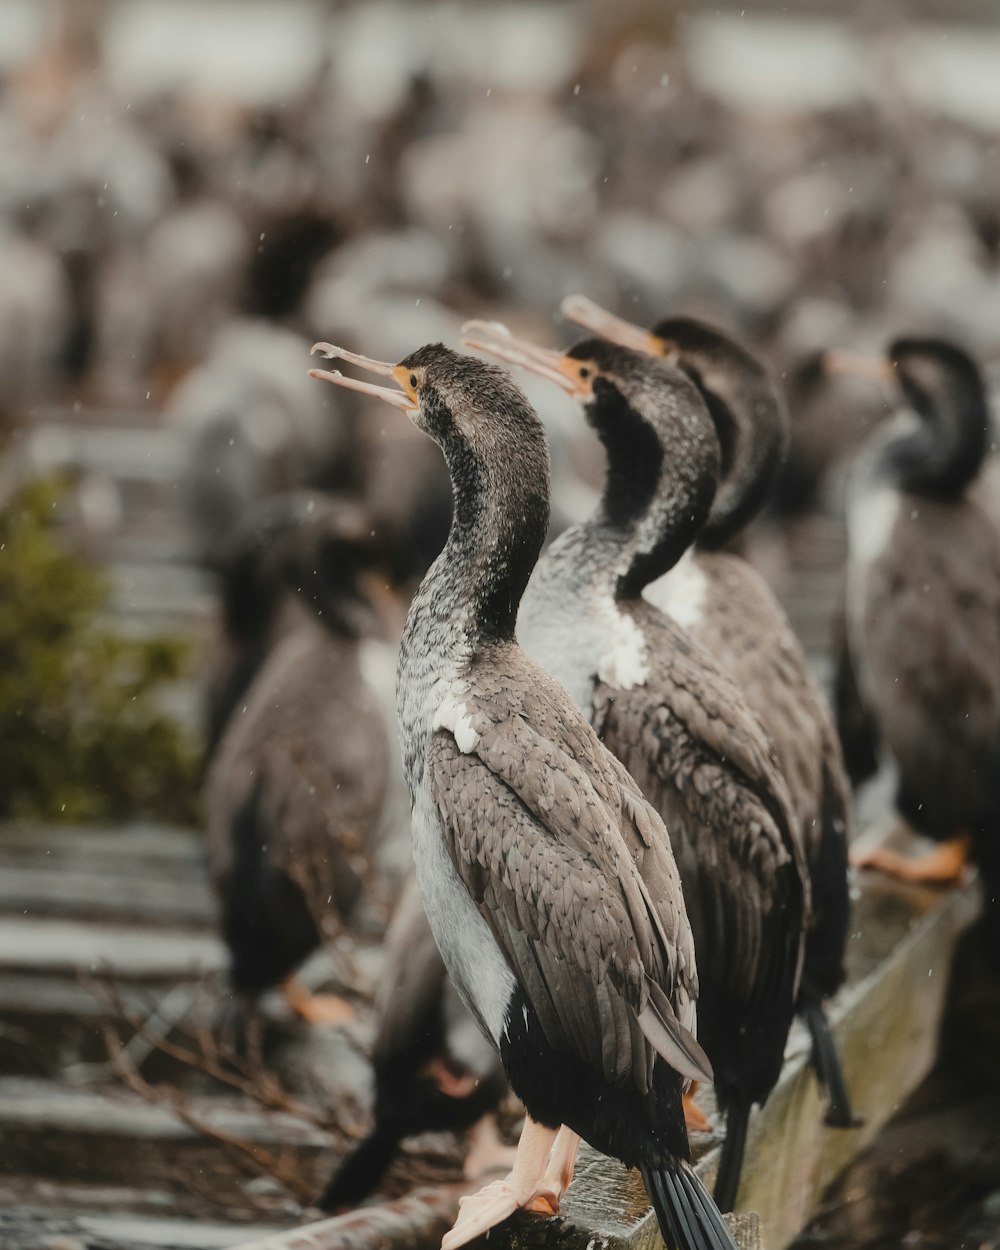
114 894
141 845
422 1217
64 946
414 1222
39 1228
50 1107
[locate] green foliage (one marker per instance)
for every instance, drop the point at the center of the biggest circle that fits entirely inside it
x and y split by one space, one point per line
83 735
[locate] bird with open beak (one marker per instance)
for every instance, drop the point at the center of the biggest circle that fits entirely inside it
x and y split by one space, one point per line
724 603
665 708
526 833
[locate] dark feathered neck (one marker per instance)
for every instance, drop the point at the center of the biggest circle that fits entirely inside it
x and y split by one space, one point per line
749 419
944 387
658 488
499 523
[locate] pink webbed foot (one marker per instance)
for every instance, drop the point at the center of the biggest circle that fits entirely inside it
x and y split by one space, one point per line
480 1212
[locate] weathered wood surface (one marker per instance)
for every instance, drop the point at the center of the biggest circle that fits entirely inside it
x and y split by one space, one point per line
421 1218
127 950
49 1107
415 1221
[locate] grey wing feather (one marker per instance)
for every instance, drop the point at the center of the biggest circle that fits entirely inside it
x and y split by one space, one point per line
542 854
704 762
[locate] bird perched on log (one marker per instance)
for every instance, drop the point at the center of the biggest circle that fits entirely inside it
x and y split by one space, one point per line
920 662
668 712
433 1068
728 608
297 785
525 830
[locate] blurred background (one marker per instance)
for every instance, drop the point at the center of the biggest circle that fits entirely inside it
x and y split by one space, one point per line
193 191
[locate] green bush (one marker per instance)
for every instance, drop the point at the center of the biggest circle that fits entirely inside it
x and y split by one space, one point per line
83 735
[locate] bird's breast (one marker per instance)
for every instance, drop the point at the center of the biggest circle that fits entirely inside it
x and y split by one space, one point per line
475 963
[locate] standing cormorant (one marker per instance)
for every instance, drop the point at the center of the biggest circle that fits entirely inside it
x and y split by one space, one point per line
728 608
582 978
676 721
920 663
297 785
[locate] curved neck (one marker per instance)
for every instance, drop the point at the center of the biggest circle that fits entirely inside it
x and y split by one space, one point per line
657 492
946 450
752 430
499 522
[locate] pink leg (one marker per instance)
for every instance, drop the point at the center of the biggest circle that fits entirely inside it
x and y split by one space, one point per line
558 1174
941 866
487 1153
447 1082
480 1212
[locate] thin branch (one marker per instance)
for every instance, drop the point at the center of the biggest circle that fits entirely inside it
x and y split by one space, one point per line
260 1086
252 1159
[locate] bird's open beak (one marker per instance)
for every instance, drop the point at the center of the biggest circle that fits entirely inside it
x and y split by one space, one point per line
495 339
404 399
877 367
593 317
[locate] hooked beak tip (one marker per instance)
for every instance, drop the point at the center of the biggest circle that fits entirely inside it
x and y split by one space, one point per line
479 328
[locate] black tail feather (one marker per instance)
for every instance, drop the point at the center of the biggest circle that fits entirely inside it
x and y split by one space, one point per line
361 1171
727 1183
829 1070
688 1218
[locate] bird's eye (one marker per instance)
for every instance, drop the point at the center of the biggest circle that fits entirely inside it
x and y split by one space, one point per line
413 380
584 372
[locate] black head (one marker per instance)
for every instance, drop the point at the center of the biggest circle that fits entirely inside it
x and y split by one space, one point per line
481 420
469 401
942 384
498 457
663 452
746 408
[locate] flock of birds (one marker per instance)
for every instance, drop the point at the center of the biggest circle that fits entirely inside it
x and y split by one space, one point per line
635 867
631 806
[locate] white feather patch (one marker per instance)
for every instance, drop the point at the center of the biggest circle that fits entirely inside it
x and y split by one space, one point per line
453 715
626 663
870 522
681 593
871 517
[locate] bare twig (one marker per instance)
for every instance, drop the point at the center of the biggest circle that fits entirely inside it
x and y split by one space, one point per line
230 1069
252 1159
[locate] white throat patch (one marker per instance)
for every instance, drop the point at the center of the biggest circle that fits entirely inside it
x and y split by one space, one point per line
681 593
